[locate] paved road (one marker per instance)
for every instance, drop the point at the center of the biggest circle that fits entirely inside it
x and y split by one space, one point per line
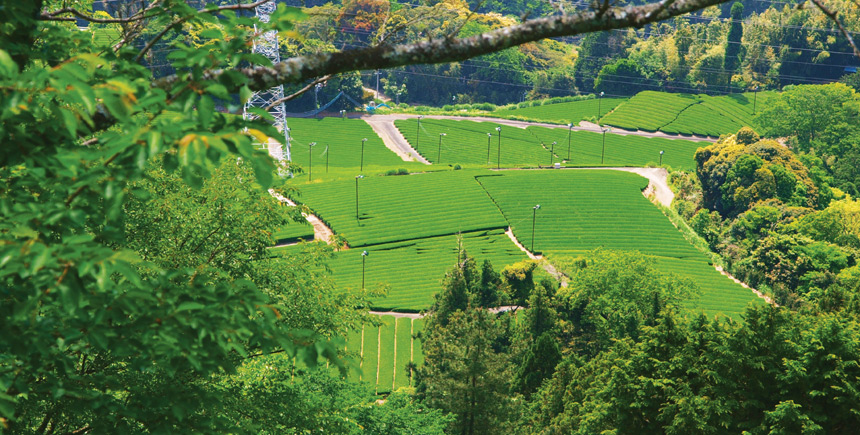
583 126
393 140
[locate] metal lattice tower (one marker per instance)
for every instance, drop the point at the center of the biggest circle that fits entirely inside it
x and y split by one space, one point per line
267 45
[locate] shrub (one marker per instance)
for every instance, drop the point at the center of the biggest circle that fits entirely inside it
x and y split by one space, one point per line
747 136
457 167
448 107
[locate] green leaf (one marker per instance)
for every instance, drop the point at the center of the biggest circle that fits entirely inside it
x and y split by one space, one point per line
245 94
8 67
188 306
205 111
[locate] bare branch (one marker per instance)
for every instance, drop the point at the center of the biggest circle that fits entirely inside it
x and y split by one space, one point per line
443 50
297 93
832 15
140 15
180 21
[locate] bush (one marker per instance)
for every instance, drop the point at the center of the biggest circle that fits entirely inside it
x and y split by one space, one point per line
747 136
421 108
484 106
457 167
400 171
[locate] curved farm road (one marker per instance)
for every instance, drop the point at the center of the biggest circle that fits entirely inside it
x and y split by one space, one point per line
582 126
393 140
321 230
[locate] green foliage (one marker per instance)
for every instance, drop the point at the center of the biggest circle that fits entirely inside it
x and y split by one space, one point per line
614 294
519 278
121 284
818 116
735 176
747 136
465 372
633 83
775 371
733 38
285 403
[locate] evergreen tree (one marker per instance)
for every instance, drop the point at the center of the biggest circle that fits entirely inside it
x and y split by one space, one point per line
733 41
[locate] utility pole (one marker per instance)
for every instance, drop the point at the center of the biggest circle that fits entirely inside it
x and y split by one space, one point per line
377 84
499 153
569 128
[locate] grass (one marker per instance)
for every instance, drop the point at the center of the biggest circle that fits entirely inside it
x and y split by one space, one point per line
466 142
379 352
340 141
586 148
402 207
414 269
562 113
575 217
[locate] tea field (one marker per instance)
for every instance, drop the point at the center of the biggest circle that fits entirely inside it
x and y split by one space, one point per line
413 269
649 110
575 217
382 352
586 148
340 141
562 113
689 114
393 208
467 142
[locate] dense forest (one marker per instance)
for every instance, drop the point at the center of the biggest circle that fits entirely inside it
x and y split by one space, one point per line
140 291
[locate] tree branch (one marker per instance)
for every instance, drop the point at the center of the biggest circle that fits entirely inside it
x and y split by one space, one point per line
140 15
179 21
832 15
443 50
55 15
297 93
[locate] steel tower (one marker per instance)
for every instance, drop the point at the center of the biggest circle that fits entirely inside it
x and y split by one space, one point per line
267 45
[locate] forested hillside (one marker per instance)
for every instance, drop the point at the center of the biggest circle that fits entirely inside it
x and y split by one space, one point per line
554 217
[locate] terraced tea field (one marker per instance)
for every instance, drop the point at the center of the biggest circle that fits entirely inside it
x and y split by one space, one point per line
466 142
382 352
562 113
588 209
397 208
649 110
740 107
586 148
689 114
343 139
414 268
692 120
293 232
